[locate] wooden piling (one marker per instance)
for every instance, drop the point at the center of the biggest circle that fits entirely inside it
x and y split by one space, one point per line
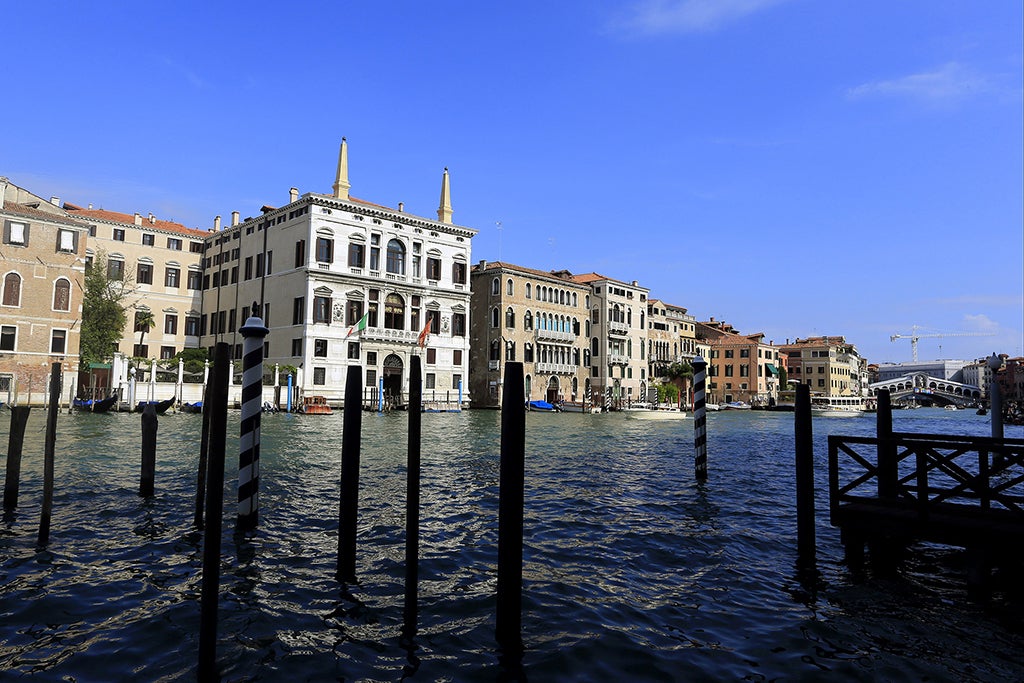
700 434
204 447
15 443
48 455
217 406
888 470
510 511
348 507
804 436
149 428
412 500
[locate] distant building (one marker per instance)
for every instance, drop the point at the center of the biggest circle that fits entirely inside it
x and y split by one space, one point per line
741 367
163 259
42 266
831 366
531 316
322 263
618 341
670 337
939 369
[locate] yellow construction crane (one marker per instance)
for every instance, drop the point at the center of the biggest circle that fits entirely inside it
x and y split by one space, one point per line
915 335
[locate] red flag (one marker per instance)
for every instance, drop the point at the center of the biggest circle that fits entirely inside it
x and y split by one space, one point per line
422 339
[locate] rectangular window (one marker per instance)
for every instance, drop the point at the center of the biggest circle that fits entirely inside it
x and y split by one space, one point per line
433 268
728 353
435 321
319 376
431 356
356 255
118 235
148 239
195 279
458 324
324 250
415 265
192 325
374 252
297 347
115 269
196 247
320 348
299 310
430 381
300 253
174 244
371 378
66 241
172 277
8 336
259 265
353 350
166 352
248 267
322 309
270 262
216 279
353 312
140 350
728 370
456 381
459 273
170 324
58 341
16 232
144 274
231 320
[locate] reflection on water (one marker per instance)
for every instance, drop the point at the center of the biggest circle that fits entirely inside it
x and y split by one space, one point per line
633 570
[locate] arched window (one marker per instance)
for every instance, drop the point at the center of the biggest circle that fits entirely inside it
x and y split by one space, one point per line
394 312
528 320
629 317
494 317
575 301
495 350
595 346
62 295
495 287
527 352
396 258
561 297
12 289
508 287
510 317
527 290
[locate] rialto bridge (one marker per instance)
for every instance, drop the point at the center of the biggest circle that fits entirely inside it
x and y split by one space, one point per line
923 388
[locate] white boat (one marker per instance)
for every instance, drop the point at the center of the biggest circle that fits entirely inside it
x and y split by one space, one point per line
646 411
578 407
735 405
712 406
838 406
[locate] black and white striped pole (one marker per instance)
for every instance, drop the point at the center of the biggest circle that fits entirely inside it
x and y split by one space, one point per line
253 333
700 433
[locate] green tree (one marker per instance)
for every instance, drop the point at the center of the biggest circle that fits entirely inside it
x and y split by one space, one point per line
103 312
680 374
144 322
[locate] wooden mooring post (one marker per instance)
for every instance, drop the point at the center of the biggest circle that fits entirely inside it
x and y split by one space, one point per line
804 436
510 513
218 409
700 433
348 506
412 501
15 443
149 429
204 449
48 455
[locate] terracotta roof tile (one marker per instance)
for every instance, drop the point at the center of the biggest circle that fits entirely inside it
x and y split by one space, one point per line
129 219
30 212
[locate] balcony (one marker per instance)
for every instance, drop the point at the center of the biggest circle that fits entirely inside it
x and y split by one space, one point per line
394 277
555 336
620 329
555 368
387 335
618 359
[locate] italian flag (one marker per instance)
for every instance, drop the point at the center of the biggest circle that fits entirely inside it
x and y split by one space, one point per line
358 327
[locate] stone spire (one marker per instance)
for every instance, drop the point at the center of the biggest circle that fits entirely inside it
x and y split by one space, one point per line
444 211
341 183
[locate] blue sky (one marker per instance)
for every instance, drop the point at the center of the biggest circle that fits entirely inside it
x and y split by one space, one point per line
794 167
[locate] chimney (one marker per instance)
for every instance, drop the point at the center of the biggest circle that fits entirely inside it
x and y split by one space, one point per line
216 223
234 218
401 207
152 218
138 218
55 201
483 264
90 206
293 194
3 189
636 283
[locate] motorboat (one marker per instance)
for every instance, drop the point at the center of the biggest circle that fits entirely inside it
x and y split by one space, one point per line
315 405
645 411
542 407
734 405
838 406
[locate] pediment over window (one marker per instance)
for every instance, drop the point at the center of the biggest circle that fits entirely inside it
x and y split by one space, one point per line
458 308
433 306
323 291
355 294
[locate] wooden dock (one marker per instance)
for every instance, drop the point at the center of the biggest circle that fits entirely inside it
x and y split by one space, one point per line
895 489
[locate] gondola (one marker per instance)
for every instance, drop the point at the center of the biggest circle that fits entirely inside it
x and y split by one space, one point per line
95 405
161 406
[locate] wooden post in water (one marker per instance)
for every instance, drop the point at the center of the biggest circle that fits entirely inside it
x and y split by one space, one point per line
510 511
700 434
253 334
149 427
48 455
412 500
888 471
217 406
15 442
348 508
204 448
804 435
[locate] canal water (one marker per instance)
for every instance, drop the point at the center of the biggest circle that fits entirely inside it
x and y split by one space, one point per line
633 571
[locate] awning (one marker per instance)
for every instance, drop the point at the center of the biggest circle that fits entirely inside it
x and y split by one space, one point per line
772 369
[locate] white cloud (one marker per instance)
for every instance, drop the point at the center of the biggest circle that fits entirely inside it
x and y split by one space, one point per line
981 323
687 16
949 83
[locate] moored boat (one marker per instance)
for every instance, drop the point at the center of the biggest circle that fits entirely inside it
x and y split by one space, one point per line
734 405
196 407
101 405
838 406
161 406
315 405
644 411
542 407
578 407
